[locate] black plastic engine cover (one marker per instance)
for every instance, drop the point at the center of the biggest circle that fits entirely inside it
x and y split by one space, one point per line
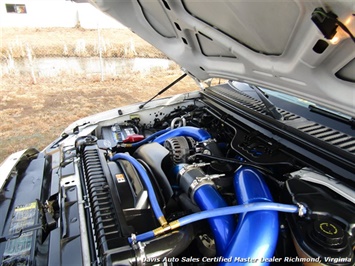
114 189
157 158
110 227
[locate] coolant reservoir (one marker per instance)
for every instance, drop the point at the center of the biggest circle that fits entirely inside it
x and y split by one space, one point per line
327 244
325 236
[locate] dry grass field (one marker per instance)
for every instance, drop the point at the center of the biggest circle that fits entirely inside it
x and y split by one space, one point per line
34 114
74 42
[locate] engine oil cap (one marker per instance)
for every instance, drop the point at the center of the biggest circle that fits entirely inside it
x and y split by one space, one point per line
328 233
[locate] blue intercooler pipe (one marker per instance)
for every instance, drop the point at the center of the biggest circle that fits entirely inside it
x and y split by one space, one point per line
255 235
208 198
196 133
257 232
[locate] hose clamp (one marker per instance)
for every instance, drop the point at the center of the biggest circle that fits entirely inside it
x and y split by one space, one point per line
192 177
133 239
200 182
302 210
188 167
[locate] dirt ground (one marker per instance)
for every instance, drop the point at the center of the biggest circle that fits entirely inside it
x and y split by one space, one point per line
33 115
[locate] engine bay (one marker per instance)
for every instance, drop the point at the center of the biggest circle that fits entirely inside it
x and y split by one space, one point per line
180 181
144 180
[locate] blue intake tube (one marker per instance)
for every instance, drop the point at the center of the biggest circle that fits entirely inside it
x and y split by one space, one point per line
198 134
208 198
257 232
151 137
143 174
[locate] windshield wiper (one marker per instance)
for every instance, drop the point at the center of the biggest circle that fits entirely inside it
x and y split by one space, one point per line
163 90
270 107
340 117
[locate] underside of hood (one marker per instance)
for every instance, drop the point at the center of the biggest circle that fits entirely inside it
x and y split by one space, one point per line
300 47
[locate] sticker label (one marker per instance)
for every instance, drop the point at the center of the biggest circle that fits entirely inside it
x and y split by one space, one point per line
23 217
120 178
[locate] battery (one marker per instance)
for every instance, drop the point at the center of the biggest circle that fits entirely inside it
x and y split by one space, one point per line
118 133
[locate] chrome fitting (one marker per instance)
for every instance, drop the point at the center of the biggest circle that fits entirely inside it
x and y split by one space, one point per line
302 210
139 253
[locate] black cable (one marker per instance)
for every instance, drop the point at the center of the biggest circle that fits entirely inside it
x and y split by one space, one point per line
341 25
234 161
338 22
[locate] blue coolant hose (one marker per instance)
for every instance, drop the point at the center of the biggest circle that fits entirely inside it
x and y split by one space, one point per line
237 209
261 206
143 174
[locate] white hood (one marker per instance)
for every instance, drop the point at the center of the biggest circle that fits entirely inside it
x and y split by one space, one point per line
274 43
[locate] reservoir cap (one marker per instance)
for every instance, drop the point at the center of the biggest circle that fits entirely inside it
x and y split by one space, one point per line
328 233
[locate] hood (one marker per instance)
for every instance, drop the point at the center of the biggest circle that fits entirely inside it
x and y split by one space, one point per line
300 47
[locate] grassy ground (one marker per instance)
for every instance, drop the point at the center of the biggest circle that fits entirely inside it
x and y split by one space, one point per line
34 114
74 42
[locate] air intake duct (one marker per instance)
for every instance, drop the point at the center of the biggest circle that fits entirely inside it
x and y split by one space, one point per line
197 134
202 191
257 232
